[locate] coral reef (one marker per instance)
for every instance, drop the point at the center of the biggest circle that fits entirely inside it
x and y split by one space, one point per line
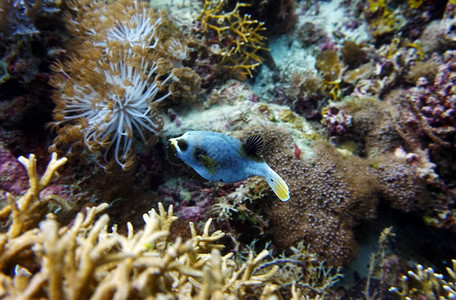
401 185
86 259
329 66
332 189
30 38
336 121
383 19
368 122
355 100
19 18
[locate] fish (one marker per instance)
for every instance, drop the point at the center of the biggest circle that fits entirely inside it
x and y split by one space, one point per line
219 157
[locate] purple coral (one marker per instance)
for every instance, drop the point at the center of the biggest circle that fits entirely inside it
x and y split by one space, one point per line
191 200
435 103
337 121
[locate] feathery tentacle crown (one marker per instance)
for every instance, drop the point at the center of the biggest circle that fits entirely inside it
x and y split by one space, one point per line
107 87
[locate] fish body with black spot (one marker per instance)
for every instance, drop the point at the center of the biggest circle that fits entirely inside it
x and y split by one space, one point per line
218 157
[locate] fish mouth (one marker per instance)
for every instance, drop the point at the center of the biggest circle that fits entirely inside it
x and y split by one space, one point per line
172 142
172 147
171 151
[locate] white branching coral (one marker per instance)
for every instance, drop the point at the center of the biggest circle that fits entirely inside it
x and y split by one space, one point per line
427 284
224 208
109 87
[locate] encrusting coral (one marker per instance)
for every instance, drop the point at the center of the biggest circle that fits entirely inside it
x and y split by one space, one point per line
330 192
86 259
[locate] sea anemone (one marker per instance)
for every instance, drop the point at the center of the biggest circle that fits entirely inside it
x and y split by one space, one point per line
110 113
109 86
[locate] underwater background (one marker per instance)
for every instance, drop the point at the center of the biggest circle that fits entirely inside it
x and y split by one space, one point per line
355 101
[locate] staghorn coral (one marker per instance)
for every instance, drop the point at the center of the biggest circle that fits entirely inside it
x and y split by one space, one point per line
108 88
233 37
426 284
86 259
26 210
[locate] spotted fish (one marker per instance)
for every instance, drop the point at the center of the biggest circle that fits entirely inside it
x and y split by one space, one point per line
218 157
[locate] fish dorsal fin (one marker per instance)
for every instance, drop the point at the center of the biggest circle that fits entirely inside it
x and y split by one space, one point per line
253 145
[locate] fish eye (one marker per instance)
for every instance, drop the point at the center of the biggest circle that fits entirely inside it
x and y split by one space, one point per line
182 144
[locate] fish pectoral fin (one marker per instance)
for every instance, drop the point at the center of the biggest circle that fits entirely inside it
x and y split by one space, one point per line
278 185
209 164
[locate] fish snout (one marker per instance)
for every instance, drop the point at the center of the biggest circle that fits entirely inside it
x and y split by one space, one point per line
172 150
172 146
172 142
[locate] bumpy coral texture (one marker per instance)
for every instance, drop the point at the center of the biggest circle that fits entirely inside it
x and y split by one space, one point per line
331 192
372 125
328 194
401 184
401 178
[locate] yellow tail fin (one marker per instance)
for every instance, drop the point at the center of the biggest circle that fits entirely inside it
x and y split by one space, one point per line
278 185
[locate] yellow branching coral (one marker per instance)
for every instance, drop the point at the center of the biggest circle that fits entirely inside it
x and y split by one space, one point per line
116 73
330 67
86 260
234 37
415 3
382 20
